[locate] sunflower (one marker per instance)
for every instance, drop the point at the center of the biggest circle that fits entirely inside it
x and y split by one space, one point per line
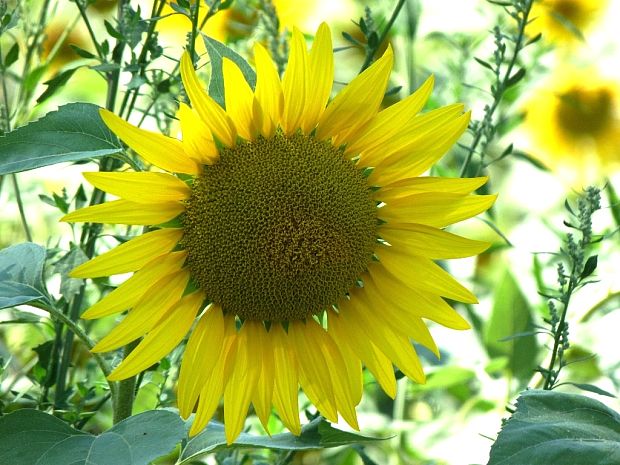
564 21
303 226
573 123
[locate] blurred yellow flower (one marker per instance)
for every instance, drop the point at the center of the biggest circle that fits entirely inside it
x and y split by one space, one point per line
574 124
242 15
564 21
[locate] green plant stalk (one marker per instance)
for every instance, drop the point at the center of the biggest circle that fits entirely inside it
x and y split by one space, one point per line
192 44
550 377
156 11
123 404
81 334
20 207
371 53
67 350
91 32
501 88
32 47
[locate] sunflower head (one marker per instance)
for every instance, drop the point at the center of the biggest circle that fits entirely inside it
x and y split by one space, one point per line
564 22
585 111
296 228
573 122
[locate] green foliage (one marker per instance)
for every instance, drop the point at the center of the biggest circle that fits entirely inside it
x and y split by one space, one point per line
217 52
21 268
509 330
30 437
317 434
564 429
74 132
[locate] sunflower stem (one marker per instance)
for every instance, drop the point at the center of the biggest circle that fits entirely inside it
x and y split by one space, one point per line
123 405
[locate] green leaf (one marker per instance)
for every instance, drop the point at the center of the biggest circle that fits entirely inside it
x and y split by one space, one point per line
31 437
590 388
56 83
511 315
590 266
13 294
23 263
549 427
317 434
74 132
516 77
70 286
12 56
217 51
486 64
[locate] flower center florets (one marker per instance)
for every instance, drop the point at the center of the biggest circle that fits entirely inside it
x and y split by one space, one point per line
279 229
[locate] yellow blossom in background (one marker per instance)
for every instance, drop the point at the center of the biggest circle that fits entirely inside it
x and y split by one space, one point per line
238 19
573 124
562 22
299 231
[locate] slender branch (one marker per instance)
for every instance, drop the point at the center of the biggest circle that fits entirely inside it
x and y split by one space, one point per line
20 206
501 85
551 377
82 336
91 32
384 34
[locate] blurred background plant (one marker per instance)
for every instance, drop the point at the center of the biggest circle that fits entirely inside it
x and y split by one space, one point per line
542 79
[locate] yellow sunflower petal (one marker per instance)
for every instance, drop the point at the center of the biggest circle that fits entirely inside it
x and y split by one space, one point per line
198 142
239 99
242 383
213 388
131 255
435 209
294 84
353 337
143 187
151 307
126 212
415 302
214 116
263 393
268 90
413 159
321 76
394 344
344 393
412 326
162 151
423 274
129 293
357 103
429 242
419 185
391 121
353 368
285 389
201 355
164 337
314 377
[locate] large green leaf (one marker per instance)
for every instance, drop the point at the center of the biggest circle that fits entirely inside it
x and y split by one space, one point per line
31 437
74 132
21 268
550 427
217 51
509 331
317 434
